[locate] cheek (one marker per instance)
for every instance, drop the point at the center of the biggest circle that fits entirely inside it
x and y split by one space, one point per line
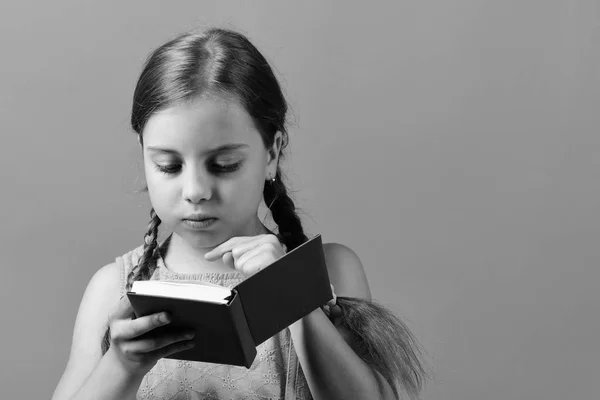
157 182
159 194
152 181
244 195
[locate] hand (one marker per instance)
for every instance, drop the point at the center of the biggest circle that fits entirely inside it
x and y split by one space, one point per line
248 254
136 345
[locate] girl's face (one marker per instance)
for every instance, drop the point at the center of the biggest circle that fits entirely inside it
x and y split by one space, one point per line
206 159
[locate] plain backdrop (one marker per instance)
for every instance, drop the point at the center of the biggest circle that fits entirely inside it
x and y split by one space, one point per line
453 145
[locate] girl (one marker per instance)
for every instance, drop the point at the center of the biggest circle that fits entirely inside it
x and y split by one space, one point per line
210 119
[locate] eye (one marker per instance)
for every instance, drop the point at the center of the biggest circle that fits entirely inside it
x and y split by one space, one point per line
226 168
216 167
168 169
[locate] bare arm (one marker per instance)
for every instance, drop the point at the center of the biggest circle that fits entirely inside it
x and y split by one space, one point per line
134 349
332 368
87 374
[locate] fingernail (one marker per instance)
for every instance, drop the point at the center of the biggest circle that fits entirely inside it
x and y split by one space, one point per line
165 318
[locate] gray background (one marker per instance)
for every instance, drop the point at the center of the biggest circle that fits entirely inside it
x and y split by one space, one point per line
452 144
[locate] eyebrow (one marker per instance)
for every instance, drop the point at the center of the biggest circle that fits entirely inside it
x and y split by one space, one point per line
223 148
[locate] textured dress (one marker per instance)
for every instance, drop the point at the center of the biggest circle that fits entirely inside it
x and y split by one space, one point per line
274 374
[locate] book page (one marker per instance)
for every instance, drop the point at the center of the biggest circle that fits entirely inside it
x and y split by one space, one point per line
183 290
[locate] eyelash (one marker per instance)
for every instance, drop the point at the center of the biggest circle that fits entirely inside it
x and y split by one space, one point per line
220 169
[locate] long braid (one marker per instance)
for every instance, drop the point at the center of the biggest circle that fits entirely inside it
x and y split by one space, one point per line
382 339
284 213
145 267
147 262
384 342
227 61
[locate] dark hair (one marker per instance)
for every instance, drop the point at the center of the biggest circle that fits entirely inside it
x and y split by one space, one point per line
384 342
220 62
224 63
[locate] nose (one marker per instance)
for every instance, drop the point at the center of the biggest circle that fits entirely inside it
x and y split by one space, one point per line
197 186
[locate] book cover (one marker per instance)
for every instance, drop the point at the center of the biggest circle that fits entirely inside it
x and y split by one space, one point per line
259 307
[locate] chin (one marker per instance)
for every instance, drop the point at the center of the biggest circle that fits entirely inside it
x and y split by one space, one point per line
204 239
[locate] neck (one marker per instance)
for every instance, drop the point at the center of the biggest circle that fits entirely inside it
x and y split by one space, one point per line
181 256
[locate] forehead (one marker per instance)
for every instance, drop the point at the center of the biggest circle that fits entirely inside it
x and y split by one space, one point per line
203 123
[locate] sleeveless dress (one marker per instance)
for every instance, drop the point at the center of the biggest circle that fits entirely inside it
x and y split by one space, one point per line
275 374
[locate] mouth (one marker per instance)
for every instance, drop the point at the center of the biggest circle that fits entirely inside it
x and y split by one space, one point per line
199 221
198 217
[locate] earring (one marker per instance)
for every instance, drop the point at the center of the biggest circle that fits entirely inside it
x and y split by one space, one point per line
272 179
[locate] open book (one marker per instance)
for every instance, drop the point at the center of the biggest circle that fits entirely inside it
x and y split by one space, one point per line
230 323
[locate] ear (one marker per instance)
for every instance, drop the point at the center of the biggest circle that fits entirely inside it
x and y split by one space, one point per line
273 155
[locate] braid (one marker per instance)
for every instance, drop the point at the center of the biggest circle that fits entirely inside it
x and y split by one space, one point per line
147 262
384 342
145 267
284 214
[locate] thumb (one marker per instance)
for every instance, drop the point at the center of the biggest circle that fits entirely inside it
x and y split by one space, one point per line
228 260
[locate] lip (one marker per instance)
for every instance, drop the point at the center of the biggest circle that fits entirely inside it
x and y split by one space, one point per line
200 223
198 217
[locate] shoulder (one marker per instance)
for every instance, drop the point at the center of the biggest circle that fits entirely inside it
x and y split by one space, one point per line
99 299
104 290
129 259
104 280
346 271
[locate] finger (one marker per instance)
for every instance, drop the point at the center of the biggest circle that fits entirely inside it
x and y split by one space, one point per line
172 349
150 343
256 264
228 260
242 248
276 250
239 250
226 246
272 238
253 252
129 329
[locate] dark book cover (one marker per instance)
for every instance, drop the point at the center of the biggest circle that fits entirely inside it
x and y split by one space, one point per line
260 307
